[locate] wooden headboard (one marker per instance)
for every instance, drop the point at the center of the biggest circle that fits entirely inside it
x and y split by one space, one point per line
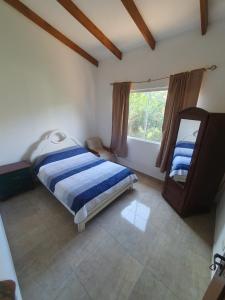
55 140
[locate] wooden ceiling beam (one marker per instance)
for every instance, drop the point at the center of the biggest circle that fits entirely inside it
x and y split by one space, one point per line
90 26
27 12
137 18
204 15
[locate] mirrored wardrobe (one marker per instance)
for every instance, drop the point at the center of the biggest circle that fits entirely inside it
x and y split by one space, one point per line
197 161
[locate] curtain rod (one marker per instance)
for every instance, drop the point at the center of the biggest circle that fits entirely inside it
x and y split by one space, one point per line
211 68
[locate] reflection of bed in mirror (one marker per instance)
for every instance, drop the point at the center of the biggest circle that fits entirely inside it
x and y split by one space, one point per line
196 164
183 151
181 160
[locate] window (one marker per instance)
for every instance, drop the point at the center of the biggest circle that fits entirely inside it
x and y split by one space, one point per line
146 112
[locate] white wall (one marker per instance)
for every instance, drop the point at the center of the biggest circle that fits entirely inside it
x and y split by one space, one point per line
43 86
185 52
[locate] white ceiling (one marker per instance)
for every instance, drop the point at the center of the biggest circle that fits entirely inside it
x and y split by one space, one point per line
165 18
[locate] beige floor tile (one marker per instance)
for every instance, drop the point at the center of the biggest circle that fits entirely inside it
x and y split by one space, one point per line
73 290
132 213
178 268
148 287
109 272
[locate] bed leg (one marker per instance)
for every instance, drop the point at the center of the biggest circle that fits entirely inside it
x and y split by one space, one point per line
81 227
131 187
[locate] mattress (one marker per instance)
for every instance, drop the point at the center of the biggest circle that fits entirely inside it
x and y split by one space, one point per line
82 181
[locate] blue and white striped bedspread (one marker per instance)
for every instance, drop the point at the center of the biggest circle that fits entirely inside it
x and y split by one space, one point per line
81 180
182 158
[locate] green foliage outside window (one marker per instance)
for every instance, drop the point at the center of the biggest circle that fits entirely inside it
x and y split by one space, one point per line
146 112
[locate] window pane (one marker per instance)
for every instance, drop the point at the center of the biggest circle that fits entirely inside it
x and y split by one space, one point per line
146 111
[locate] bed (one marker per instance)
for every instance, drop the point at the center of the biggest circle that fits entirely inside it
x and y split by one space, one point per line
181 160
80 180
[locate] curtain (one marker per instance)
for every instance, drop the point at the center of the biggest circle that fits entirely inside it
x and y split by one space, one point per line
120 111
183 92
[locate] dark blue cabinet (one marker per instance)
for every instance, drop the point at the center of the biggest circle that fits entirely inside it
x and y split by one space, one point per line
15 178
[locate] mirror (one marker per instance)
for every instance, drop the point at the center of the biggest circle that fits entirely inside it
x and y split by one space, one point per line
184 148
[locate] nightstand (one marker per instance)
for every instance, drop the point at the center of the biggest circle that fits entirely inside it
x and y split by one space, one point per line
15 178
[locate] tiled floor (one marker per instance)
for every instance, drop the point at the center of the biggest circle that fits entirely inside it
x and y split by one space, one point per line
137 248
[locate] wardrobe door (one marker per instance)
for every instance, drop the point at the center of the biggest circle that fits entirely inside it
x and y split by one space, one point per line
210 166
185 148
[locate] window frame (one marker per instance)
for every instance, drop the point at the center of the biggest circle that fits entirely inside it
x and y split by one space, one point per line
149 89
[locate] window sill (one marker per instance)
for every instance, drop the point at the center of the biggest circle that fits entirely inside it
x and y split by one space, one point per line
142 140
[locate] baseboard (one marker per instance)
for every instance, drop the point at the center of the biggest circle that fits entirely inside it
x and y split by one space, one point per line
143 169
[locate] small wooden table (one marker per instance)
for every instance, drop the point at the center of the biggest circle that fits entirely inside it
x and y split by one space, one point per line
15 178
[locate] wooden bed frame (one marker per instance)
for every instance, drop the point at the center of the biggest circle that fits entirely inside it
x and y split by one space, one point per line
58 140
